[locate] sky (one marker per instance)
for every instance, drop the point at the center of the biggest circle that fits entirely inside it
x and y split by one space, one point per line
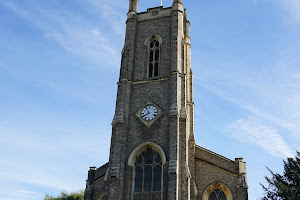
59 65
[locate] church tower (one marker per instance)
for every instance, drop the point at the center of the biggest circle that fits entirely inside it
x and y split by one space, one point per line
153 150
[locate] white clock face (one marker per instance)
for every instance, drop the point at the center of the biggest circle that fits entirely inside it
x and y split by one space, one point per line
149 112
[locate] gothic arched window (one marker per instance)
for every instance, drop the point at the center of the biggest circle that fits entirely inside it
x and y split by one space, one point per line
217 191
217 194
153 57
148 175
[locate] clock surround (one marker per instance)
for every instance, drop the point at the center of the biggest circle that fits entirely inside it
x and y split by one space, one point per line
149 113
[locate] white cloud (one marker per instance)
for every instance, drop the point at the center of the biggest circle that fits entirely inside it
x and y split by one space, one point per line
85 41
29 193
288 86
267 138
252 109
74 34
56 161
293 7
115 18
22 194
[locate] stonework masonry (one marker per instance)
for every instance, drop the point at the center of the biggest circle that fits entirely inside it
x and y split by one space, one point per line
189 172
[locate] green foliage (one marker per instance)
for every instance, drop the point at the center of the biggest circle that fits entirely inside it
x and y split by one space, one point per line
65 196
286 186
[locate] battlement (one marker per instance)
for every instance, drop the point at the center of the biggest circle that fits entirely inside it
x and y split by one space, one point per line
154 13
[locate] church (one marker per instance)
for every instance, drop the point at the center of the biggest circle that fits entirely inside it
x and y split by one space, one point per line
153 154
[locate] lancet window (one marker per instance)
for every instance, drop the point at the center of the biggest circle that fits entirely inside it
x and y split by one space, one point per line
153 57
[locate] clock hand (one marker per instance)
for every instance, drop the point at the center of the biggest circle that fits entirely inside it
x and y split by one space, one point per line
145 114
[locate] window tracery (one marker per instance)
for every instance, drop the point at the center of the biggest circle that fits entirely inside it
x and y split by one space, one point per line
217 194
148 175
153 57
217 191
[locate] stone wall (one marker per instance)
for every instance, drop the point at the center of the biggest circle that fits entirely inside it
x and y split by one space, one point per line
213 168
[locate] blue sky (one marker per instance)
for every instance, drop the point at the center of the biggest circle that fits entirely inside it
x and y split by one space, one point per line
59 64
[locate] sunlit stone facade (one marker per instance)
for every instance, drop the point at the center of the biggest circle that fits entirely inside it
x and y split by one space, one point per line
153 154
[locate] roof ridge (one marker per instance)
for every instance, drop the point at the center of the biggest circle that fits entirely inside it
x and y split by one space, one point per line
214 153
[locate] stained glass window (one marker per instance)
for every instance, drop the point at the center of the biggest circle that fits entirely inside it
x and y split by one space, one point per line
148 173
217 194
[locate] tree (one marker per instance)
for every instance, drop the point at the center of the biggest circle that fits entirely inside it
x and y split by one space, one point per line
286 186
65 196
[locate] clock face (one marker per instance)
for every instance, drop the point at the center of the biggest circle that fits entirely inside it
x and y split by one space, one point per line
149 112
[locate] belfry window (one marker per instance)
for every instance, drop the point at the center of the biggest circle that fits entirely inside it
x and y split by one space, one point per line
217 194
153 57
148 175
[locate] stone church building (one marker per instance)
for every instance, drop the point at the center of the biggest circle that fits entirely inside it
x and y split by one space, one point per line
153 154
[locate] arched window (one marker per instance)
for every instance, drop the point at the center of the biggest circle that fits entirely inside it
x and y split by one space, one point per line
217 191
153 57
217 194
148 175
